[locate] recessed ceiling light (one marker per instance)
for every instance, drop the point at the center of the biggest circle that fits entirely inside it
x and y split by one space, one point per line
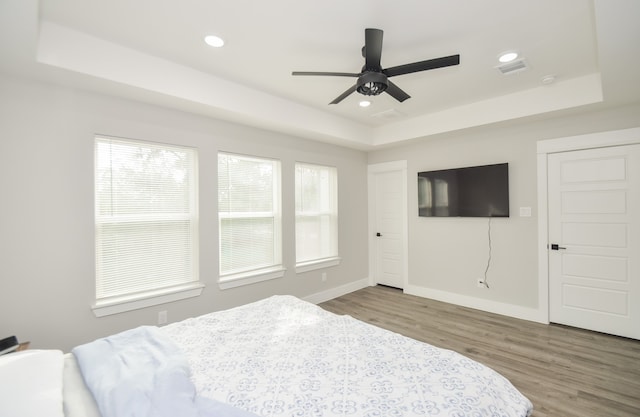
214 41
507 56
364 103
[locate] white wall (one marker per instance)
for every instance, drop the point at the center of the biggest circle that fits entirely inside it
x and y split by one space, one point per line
46 211
448 255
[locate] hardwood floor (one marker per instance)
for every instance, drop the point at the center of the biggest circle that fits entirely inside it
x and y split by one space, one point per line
564 371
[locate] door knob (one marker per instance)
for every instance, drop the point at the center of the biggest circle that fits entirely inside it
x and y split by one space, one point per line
555 246
378 234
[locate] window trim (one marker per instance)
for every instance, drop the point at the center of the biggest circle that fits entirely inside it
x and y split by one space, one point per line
317 264
326 262
121 304
110 305
240 278
250 277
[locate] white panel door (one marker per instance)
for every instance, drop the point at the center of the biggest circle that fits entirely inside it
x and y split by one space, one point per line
388 263
594 239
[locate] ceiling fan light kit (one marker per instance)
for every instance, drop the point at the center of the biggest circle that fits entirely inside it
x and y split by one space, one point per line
372 83
373 79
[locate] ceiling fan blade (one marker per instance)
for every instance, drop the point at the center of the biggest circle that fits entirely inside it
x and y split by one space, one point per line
396 92
372 48
344 95
429 64
335 74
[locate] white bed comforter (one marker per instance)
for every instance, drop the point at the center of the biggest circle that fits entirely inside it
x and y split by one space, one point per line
142 373
285 357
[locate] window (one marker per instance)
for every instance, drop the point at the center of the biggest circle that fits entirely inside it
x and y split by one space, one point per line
316 216
146 223
249 219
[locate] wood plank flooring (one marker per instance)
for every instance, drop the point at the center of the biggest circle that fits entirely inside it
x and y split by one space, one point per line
564 371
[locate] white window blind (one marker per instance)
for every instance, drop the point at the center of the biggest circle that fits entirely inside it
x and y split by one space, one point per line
249 214
146 217
316 213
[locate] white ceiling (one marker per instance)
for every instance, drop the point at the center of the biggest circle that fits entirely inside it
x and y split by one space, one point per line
153 50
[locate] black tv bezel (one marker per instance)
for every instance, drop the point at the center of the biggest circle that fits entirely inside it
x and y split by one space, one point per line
504 192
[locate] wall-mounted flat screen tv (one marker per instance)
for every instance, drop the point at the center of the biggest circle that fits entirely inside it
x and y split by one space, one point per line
479 191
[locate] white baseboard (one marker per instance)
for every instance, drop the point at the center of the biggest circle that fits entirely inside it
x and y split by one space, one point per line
336 292
511 310
505 309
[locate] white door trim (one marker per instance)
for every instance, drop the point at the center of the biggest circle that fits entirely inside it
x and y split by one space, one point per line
549 146
372 170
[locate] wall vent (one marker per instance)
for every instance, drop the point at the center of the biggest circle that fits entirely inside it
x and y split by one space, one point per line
512 67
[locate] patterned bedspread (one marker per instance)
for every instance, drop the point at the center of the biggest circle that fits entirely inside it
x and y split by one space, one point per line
285 357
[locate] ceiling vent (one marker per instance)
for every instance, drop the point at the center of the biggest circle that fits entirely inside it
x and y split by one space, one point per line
512 67
387 114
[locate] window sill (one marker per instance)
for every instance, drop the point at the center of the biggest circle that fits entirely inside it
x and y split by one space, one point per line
246 278
317 264
115 305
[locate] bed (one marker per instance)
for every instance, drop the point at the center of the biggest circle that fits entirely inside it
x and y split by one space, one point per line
280 357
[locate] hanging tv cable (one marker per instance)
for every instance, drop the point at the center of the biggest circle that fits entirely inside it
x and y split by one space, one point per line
486 284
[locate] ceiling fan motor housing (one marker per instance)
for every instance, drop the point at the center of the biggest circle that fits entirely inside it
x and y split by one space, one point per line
372 83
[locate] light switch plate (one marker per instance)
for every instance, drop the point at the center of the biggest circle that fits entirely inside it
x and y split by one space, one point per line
525 211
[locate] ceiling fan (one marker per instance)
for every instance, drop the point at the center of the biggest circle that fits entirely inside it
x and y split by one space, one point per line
373 79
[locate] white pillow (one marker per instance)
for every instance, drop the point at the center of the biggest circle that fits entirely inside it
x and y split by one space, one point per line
31 383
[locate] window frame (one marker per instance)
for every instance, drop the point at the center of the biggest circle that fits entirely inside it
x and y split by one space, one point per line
135 299
331 259
246 276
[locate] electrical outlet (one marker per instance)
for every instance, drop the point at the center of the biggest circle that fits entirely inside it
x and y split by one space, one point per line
324 276
162 317
480 283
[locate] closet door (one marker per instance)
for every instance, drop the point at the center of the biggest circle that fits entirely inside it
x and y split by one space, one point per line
594 239
388 219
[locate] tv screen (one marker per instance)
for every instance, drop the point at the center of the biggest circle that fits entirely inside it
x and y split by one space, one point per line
480 191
